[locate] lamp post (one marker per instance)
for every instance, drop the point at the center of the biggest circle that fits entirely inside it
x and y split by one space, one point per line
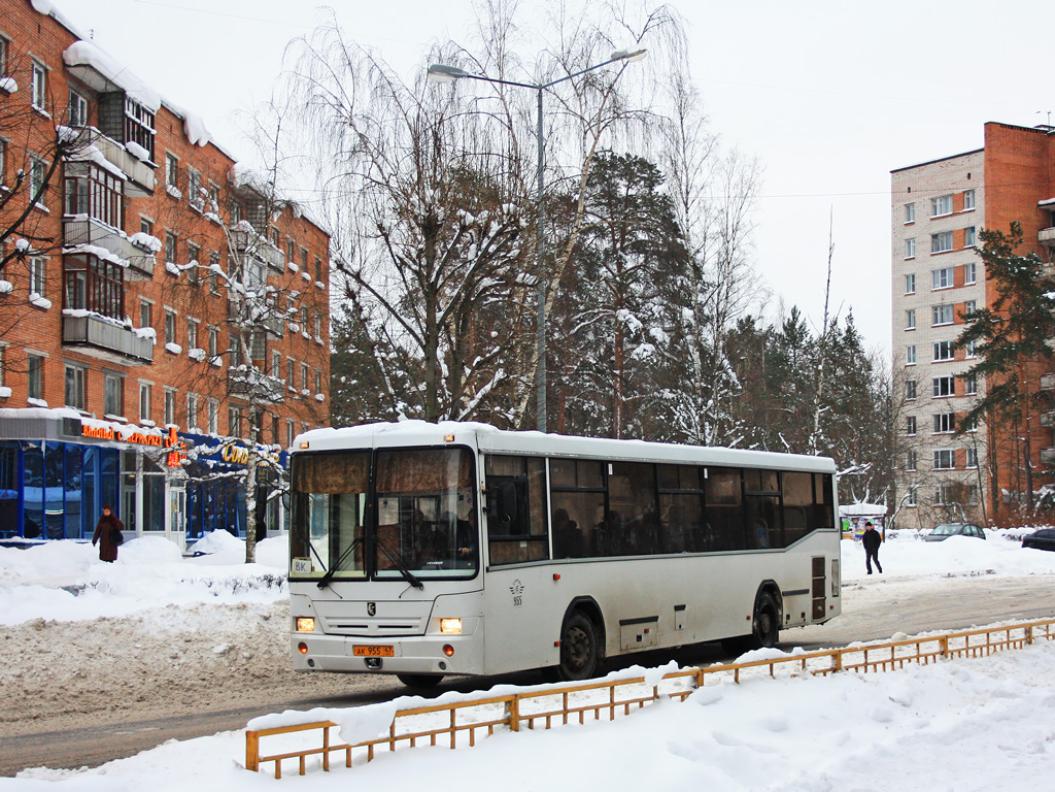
439 72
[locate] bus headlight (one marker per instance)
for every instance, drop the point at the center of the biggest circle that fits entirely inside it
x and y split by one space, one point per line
305 624
451 626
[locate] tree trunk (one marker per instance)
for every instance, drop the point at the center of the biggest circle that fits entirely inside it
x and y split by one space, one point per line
617 391
250 509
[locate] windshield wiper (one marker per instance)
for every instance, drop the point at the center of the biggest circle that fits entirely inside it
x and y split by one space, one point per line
398 563
324 581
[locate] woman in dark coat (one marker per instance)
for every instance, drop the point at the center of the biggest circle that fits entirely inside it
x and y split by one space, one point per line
105 529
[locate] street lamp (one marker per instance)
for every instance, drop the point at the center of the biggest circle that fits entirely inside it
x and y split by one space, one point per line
442 73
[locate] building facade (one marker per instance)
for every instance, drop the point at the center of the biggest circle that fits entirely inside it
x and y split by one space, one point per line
948 471
135 370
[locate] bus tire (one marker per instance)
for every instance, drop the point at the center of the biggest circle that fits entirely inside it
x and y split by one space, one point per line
580 654
420 681
765 627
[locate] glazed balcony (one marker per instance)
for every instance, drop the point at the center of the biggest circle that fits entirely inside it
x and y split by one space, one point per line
248 241
1046 236
1047 456
105 338
81 229
1047 382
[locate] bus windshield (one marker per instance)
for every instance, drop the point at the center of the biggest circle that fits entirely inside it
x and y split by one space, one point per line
426 515
329 504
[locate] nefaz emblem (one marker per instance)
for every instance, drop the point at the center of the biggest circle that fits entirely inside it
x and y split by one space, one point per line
517 590
371 609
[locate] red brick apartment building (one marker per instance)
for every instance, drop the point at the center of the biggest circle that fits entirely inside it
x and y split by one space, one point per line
938 207
118 356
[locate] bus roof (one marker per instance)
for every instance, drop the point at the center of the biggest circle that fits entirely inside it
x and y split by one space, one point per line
488 439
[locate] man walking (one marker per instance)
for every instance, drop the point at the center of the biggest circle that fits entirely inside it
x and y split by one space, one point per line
871 540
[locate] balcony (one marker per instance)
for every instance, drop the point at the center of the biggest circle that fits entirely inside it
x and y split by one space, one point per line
1047 419
1047 456
1047 381
1046 236
251 383
271 323
141 180
105 338
85 230
250 242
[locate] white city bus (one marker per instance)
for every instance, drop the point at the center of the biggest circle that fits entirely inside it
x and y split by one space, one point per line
422 549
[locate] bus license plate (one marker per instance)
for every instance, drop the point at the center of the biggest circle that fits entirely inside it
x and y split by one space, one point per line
373 651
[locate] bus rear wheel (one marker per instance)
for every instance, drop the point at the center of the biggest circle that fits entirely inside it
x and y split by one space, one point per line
420 681
580 655
765 627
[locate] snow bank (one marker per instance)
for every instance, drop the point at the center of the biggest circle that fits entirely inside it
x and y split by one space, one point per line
956 556
87 53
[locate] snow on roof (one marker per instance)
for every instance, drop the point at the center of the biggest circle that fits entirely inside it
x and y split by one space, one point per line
1047 202
193 126
47 8
489 439
87 53
862 509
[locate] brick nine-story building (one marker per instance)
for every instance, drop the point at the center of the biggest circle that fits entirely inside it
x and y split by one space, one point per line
123 377
938 208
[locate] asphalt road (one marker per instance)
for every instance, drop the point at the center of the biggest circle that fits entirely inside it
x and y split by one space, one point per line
873 610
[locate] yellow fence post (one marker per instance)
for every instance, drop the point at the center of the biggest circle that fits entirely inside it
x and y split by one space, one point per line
943 646
252 751
1029 634
513 713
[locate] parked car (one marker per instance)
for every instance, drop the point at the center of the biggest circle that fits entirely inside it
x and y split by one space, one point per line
945 530
1044 539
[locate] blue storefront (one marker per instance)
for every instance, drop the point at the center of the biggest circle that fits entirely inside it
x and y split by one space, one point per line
58 471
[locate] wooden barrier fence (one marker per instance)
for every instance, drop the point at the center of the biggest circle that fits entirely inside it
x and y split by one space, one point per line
561 705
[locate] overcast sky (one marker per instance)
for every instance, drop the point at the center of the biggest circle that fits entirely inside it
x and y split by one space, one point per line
829 96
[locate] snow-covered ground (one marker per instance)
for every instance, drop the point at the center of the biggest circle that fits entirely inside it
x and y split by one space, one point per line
961 724
66 581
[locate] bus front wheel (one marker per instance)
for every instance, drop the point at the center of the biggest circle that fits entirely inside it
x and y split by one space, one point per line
420 681
579 652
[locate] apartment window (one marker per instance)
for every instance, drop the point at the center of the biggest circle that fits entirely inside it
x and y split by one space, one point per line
911 460
275 431
944 460
969 307
146 226
214 343
194 189
139 126
3 56
93 191
910 425
290 368
3 159
234 350
35 364
970 349
113 394
943 350
37 171
304 376
969 237
941 242
970 384
276 365
291 250
170 247
910 319
192 411
910 354
968 199
910 248
234 421
942 205
93 284
943 386
37 272
944 423
318 327
214 198
970 425
910 389
77 110
192 334
910 283
193 253
40 87
913 498
146 391
304 260
170 327
970 272
171 171
290 432
941 315
941 278
972 458
318 381
214 275
318 269
213 417
972 492
75 390
304 318
170 406
910 213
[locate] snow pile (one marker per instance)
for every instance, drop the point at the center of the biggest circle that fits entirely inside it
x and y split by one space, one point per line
8 84
931 724
145 241
193 126
86 53
953 557
6 287
137 151
39 302
65 581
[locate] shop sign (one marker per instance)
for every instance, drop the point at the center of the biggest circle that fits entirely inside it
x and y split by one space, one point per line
170 441
237 455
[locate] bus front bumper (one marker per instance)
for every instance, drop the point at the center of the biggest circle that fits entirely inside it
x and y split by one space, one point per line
416 654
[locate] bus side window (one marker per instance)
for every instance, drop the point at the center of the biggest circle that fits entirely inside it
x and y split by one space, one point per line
516 509
799 515
724 513
577 502
822 498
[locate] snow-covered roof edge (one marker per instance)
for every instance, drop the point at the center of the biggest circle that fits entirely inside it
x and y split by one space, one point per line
47 8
